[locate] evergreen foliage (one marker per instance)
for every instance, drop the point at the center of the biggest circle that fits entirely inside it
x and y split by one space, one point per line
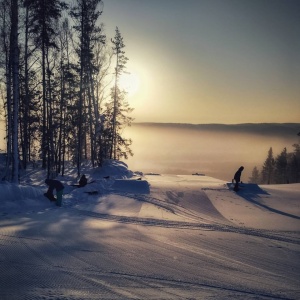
118 108
59 96
283 169
255 176
268 168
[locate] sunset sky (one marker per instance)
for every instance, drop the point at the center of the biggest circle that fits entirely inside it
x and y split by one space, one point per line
210 61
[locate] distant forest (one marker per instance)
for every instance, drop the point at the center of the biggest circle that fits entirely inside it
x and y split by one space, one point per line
288 130
220 148
281 169
59 83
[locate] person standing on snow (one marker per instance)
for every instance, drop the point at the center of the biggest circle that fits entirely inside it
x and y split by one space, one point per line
237 178
58 186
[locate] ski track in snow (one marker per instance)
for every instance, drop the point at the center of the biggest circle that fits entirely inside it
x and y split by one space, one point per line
77 252
273 235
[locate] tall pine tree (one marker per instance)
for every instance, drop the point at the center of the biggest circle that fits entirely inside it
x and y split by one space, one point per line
117 95
281 167
45 16
85 13
267 172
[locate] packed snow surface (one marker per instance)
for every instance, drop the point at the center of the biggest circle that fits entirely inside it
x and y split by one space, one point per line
132 236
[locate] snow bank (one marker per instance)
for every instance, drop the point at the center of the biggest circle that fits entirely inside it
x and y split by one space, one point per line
19 198
112 169
29 194
11 192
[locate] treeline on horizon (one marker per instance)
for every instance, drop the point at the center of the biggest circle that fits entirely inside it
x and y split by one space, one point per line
281 169
59 83
271 129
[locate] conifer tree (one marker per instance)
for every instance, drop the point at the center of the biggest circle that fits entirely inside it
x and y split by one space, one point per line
294 164
5 10
45 16
268 168
28 76
14 49
281 167
55 97
255 176
85 13
117 94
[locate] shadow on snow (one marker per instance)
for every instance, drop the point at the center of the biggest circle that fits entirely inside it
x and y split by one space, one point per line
251 191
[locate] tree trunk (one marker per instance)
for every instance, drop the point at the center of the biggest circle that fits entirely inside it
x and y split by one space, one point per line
15 71
26 142
6 175
44 131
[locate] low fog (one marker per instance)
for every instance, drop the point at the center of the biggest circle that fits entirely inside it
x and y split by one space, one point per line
214 150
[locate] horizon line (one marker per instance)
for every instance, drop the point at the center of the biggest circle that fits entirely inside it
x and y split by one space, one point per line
246 123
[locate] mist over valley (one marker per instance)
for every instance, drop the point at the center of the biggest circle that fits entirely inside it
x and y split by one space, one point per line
215 150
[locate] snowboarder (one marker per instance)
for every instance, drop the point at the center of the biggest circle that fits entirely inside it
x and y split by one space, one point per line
237 178
58 186
82 181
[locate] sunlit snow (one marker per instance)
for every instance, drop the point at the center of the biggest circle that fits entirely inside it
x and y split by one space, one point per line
136 236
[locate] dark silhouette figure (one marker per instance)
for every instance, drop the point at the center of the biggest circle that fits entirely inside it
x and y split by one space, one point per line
82 181
237 178
58 186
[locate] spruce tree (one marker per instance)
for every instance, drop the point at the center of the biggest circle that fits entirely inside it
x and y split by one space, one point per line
45 16
85 14
268 168
281 168
117 95
255 176
294 164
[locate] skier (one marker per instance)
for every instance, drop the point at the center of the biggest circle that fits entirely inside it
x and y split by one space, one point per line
58 186
237 178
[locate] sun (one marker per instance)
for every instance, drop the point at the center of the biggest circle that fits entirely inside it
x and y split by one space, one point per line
129 82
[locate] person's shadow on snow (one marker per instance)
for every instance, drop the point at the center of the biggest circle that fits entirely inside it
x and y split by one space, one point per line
251 191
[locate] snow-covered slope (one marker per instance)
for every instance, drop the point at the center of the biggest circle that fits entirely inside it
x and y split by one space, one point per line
148 237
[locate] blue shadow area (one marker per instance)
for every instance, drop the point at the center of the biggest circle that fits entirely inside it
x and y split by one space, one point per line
131 186
251 191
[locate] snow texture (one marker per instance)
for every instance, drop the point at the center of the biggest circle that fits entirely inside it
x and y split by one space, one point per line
132 236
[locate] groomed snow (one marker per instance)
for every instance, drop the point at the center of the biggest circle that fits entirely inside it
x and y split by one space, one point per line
150 236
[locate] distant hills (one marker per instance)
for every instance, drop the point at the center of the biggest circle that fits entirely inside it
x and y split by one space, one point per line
265 129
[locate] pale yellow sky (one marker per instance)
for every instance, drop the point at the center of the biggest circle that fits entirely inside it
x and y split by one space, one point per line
211 61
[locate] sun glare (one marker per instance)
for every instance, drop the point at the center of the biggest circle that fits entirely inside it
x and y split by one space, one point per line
129 82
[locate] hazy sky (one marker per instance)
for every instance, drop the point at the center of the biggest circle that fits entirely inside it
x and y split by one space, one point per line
211 61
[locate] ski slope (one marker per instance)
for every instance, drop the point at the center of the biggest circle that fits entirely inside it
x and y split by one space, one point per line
149 237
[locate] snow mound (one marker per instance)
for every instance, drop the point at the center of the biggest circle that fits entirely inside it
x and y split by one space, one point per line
131 186
112 169
11 192
29 196
16 198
